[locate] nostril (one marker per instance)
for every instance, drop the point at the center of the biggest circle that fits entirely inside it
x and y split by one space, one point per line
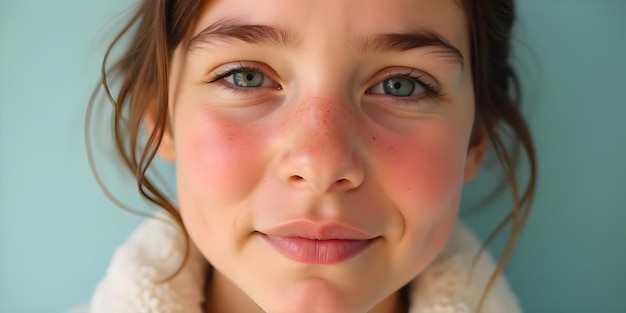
295 179
342 182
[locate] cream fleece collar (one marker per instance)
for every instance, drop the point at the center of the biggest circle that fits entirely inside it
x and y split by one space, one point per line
132 283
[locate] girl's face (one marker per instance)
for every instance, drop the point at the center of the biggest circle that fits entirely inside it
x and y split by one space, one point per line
321 146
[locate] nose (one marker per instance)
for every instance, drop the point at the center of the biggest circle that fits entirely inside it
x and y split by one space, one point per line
320 152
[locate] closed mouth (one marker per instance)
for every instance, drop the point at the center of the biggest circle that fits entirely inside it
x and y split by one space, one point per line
318 251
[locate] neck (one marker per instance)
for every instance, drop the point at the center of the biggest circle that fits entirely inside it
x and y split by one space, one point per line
223 296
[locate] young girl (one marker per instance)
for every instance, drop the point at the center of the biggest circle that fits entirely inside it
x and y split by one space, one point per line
320 150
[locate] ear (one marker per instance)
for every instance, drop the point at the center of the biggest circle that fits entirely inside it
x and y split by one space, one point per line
476 151
166 147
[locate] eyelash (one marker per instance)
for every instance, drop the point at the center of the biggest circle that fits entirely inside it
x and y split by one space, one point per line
231 70
432 90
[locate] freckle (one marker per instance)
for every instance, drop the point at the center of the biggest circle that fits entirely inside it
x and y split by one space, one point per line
374 138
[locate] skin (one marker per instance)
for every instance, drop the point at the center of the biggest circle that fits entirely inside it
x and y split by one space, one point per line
324 147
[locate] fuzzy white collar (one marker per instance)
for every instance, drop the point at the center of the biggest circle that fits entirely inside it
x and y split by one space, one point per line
132 283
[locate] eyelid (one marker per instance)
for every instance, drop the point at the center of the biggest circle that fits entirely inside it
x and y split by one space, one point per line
228 69
425 80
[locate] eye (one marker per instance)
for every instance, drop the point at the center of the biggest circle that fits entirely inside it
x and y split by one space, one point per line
242 77
246 79
398 87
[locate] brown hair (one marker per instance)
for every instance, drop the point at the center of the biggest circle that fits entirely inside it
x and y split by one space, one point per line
157 27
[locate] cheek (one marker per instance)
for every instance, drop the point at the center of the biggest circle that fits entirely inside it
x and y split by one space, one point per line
215 158
424 172
217 164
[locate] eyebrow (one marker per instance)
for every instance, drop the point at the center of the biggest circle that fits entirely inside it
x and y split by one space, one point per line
228 29
223 31
421 38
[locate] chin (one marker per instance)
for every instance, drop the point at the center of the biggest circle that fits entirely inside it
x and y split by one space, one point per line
314 305
316 296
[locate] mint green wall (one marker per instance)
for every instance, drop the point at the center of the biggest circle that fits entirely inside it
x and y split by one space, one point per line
57 230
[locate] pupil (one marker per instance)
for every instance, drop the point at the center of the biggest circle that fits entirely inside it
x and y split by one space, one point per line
249 76
397 85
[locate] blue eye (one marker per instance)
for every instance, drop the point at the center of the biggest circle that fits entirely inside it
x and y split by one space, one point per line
246 79
243 78
398 87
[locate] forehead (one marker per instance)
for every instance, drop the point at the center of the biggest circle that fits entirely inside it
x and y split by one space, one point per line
344 20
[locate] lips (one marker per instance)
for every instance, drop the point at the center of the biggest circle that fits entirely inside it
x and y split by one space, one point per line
311 243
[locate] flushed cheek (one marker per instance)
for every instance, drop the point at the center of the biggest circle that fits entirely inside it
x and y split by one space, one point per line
217 161
423 172
422 175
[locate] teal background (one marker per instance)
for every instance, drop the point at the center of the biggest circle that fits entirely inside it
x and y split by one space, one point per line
58 231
